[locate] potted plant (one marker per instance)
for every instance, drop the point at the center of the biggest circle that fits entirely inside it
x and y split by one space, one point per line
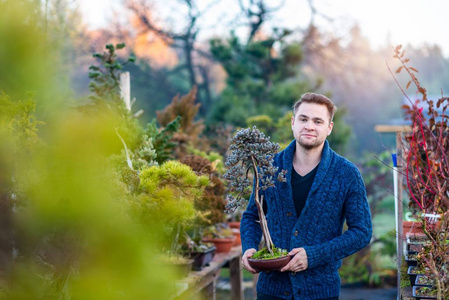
201 253
221 235
234 221
412 227
412 272
166 204
424 292
182 265
426 149
411 258
208 224
415 243
251 153
423 280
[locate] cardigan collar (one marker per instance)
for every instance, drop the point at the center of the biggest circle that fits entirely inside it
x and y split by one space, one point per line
323 168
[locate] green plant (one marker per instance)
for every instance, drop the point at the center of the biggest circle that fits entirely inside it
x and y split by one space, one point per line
105 97
105 84
425 280
211 205
426 291
167 200
218 231
405 278
17 119
265 254
162 139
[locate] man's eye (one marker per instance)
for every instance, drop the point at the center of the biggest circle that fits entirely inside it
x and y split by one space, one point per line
319 122
302 119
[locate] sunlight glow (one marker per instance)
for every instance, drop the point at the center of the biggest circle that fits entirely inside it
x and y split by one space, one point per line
414 22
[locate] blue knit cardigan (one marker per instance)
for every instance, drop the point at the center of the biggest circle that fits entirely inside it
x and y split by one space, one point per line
337 194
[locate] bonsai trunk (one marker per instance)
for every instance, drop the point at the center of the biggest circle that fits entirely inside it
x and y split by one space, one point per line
262 218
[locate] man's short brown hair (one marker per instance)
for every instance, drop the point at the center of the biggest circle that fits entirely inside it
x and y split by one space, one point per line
317 99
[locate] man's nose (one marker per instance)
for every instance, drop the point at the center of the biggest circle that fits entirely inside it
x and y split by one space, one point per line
309 126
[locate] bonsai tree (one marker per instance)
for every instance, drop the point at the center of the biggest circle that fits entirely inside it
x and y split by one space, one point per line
166 200
210 206
252 154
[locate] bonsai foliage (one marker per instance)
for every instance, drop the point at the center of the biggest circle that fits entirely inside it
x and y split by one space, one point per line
211 205
427 173
162 139
167 199
190 129
252 153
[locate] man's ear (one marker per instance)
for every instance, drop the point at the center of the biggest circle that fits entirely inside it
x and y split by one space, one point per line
331 126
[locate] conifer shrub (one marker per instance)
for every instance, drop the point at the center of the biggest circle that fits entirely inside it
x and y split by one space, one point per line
212 204
166 201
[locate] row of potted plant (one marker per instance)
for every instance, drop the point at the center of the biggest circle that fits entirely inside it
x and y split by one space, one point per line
422 282
428 278
426 173
422 285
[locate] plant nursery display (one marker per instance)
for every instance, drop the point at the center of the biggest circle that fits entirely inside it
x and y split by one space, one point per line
426 149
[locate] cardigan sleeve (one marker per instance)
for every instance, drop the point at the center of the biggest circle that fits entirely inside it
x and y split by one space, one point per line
250 230
357 236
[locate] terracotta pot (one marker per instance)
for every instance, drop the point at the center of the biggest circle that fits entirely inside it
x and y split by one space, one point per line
269 264
235 225
237 239
412 227
222 245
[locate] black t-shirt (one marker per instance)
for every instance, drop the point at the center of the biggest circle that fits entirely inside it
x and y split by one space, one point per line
301 187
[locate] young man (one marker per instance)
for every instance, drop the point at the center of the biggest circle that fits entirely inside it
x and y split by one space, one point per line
306 213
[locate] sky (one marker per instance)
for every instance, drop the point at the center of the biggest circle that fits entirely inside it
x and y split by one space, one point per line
398 21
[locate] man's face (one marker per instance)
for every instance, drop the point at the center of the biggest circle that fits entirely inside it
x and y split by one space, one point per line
311 125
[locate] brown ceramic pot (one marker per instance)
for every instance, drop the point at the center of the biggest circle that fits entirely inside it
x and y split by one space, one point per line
237 239
235 225
269 264
222 245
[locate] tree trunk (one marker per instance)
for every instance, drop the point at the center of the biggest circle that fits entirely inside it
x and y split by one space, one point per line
262 218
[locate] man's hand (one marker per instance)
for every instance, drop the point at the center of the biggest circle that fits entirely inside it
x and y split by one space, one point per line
299 261
248 253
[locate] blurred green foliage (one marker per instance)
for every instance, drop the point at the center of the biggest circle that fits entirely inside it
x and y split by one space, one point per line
68 225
